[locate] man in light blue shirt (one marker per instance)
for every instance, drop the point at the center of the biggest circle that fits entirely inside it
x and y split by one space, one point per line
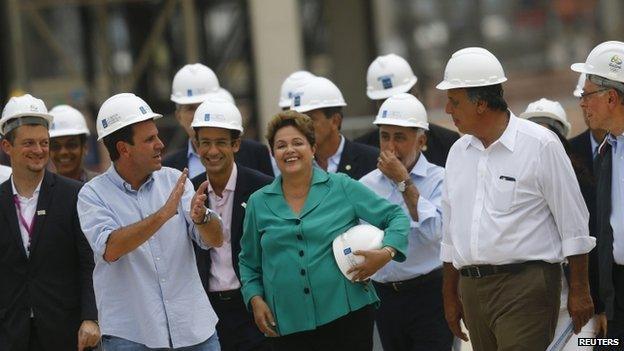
140 220
411 315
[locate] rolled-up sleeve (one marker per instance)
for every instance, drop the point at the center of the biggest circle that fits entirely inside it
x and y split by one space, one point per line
447 250
97 221
379 212
250 257
563 195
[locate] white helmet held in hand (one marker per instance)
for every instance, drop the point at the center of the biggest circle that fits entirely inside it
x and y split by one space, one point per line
67 121
472 67
290 85
605 60
403 110
23 106
544 108
359 237
218 113
193 83
122 110
389 75
317 92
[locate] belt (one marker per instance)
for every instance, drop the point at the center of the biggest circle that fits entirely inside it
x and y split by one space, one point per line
411 283
480 271
226 295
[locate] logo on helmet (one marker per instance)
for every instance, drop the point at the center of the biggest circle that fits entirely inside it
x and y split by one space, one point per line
615 64
189 92
104 123
386 81
384 113
34 108
207 117
143 110
346 251
297 100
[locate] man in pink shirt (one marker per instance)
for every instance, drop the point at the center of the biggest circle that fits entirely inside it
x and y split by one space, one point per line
218 128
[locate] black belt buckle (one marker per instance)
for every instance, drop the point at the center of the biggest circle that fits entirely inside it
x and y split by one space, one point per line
474 272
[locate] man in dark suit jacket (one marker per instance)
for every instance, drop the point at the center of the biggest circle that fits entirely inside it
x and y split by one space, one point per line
389 75
46 264
191 85
229 186
322 101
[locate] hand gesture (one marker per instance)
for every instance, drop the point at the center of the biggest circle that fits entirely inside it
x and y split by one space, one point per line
373 261
170 208
392 167
88 335
263 316
198 207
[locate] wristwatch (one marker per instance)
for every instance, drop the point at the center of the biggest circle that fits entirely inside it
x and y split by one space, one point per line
402 185
390 251
210 214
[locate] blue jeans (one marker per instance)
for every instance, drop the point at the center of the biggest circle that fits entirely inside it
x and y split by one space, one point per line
113 343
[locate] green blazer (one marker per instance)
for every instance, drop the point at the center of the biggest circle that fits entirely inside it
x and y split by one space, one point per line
288 259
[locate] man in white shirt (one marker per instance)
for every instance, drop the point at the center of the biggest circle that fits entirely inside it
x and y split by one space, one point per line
512 212
602 101
411 315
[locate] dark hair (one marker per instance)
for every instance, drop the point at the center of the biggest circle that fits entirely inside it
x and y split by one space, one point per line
125 134
10 136
491 94
234 134
301 122
330 111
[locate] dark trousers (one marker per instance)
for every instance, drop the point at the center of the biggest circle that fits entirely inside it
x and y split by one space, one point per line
512 311
34 343
411 315
353 332
615 326
236 327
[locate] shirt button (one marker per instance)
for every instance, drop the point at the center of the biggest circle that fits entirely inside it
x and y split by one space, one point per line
157 258
162 280
166 301
297 221
299 237
301 253
306 291
303 272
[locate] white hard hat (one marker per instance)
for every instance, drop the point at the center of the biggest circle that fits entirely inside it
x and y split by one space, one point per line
403 110
193 83
549 109
290 85
359 237
389 75
605 60
23 106
472 67
122 110
218 113
579 85
67 121
224 94
317 92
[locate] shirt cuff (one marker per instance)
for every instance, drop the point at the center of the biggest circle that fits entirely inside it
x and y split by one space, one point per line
447 252
99 246
577 245
426 209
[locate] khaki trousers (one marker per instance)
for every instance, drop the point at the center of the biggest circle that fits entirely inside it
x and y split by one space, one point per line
512 311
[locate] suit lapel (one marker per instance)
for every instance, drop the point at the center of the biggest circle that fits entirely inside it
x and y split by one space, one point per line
43 207
347 159
10 214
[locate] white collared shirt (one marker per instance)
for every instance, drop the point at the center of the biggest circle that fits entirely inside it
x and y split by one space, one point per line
423 251
334 160
617 196
195 165
518 200
28 207
222 276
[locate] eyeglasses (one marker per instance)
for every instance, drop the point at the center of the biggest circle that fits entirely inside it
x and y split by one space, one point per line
584 95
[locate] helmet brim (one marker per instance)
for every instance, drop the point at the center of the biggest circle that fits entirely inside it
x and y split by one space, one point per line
147 117
400 123
386 93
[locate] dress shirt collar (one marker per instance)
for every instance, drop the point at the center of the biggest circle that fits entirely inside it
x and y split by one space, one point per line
335 158
231 183
118 181
190 151
35 193
507 139
318 176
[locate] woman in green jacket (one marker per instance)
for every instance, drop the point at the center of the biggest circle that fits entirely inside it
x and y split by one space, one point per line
289 276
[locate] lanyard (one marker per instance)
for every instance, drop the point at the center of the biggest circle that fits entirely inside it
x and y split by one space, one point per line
29 228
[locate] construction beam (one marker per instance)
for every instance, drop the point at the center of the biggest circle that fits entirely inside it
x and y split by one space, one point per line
18 80
45 4
191 42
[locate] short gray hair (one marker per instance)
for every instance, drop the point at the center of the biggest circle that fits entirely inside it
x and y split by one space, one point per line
608 83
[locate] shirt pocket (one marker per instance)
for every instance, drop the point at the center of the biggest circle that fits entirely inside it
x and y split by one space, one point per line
503 192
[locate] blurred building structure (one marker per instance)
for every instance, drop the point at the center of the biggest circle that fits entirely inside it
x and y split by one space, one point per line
80 52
